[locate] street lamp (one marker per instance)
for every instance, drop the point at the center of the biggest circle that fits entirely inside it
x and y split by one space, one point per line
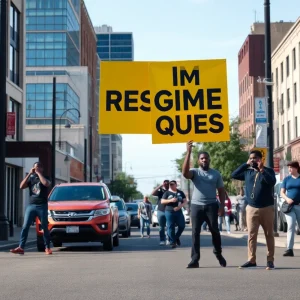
68 125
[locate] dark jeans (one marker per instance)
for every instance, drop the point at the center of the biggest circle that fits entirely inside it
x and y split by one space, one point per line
174 218
33 211
209 214
161 219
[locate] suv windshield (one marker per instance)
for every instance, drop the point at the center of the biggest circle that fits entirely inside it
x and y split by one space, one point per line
118 204
132 205
78 192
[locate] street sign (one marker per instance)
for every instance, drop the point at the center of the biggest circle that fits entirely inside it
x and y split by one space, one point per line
261 135
260 110
10 123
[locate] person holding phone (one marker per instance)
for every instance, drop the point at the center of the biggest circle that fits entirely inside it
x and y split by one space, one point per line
260 182
174 199
38 186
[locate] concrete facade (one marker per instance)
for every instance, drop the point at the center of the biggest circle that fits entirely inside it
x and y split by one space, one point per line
15 103
286 98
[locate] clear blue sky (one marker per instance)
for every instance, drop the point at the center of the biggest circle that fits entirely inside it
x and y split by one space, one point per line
182 30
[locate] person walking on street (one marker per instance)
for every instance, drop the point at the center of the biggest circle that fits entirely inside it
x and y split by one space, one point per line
38 206
260 182
241 204
290 192
227 214
145 215
204 204
174 200
161 217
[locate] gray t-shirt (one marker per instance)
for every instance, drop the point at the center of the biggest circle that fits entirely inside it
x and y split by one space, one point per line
206 184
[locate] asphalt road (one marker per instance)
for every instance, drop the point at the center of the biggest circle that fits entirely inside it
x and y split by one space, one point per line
141 269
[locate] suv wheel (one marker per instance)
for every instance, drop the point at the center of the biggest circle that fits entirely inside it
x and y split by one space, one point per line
108 244
57 243
116 239
40 243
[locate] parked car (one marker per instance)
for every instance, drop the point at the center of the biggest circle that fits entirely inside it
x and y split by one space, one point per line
124 216
186 216
281 220
132 209
154 217
80 212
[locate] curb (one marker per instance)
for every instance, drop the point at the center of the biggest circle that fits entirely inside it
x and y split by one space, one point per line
278 244
16 244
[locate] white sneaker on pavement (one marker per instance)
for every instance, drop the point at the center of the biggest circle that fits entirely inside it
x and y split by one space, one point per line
167 243
162 243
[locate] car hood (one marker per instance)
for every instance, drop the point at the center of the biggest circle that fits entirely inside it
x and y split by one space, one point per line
133 212
77 205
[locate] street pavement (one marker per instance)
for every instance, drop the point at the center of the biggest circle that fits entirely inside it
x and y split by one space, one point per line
141 269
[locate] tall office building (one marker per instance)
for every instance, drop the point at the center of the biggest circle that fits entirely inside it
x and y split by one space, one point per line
52 40
112 46
60 41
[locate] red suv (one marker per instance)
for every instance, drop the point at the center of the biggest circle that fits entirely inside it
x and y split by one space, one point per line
80 212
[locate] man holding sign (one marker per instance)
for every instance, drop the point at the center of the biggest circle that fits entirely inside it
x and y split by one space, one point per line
205 207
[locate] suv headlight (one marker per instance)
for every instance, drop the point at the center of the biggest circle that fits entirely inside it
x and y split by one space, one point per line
101 212
49 213
123 218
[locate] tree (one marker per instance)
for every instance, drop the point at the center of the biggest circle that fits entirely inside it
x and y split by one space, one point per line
125 186
225 156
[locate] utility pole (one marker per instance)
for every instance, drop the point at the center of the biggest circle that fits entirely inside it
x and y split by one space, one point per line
112 173
85 160
53 171
268 75
4 225
91 149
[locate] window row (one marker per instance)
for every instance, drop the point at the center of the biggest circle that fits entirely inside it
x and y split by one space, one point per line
114 49
286 132
288 98
114 43
288 65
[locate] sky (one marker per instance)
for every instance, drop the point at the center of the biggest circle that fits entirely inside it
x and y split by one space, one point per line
181 30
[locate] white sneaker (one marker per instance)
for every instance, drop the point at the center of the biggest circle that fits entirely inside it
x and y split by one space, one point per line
162 243
228 232
221 232
167 243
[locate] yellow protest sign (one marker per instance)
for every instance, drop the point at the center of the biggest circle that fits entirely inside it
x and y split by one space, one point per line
124 98
189 101
264 152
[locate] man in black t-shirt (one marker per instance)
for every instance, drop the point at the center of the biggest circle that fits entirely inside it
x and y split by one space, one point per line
174 200
38 206
161 218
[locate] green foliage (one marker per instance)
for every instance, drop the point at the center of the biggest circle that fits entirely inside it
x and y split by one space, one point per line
225 156
125 186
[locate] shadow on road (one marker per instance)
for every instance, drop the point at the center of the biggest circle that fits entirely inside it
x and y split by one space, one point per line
137 244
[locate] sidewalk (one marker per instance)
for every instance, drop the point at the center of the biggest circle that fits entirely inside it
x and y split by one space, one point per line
13 242
279 241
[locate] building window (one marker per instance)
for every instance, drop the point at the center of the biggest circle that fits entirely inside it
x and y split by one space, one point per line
276 76
296 127
287 66
14 49
277 137
14 106
295 92
281 106
288 102
289 131
282 135
294 59
281 71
